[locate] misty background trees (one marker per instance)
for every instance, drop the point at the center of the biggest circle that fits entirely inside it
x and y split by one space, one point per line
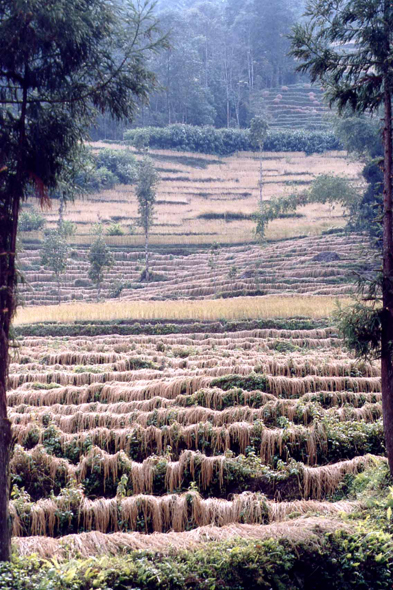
224 54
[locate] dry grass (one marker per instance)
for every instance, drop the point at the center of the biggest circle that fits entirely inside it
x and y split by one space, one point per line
237 308
220 185
95 543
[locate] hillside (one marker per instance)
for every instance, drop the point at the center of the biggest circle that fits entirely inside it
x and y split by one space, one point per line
205 199
296 106
321 265
194 436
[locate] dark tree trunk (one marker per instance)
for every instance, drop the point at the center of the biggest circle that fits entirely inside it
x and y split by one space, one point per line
387 283
260 178
9 209
147 257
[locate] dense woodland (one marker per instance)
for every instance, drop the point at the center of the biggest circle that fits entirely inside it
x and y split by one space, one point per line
223 55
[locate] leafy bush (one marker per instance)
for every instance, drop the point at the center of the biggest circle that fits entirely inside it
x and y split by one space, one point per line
249 383
115 230
82 283
208 140
31 221
108 168
100 179
121 163
67 229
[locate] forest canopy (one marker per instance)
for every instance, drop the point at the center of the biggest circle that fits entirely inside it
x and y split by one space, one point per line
223 55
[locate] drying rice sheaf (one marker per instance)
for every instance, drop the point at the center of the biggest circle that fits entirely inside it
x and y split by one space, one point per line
310 530
170 512
120 426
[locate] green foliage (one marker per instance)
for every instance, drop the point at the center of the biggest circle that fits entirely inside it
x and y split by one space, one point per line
129 327
115 229
249 383
118 288
333 189
31 221
99 179
258 132
340 560
360 135
67 229
324 189
147 180
276 208
54 254
101 260
121 163
207 140
361 327
66 78
108 168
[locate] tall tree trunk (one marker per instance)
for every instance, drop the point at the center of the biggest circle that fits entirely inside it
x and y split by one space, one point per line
61 212
147 256
260 178
387 283
9 209
12 191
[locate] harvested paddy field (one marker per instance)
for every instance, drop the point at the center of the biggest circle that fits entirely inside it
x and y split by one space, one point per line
317 266
194 436
204 199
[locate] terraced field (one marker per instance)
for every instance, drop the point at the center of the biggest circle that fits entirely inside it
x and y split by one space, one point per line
194 436
309 266
298 106
202 199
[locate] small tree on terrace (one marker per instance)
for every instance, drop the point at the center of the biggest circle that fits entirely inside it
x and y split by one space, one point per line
258 132
146 194
54 256
101 260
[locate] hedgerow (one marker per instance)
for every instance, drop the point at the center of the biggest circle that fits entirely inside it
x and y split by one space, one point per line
223 142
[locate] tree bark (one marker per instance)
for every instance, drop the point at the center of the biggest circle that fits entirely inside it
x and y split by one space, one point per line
9 209
387 283
260 178
147 257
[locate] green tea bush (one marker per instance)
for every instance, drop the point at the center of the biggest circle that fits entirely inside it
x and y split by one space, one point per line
208 140
31 221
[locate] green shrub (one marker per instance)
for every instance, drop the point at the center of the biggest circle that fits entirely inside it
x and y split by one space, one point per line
108 168
121 163
82 283
250 383
115 229
208 140
101 179
31 221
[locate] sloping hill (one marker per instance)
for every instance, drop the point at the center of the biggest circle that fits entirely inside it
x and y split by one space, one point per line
299 106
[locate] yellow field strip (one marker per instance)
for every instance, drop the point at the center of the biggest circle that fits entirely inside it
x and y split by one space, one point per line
207 309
